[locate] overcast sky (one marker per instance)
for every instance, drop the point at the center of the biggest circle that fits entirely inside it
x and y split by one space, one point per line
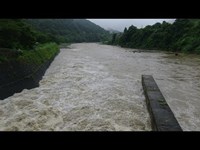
120 24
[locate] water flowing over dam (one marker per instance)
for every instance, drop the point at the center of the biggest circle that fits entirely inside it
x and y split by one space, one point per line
94 87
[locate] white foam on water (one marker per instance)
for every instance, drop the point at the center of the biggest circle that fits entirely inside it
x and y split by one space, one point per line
98 88
76 93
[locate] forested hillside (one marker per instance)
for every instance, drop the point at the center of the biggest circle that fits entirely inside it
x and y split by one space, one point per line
182 35
69 30
14 33
24 33
17 36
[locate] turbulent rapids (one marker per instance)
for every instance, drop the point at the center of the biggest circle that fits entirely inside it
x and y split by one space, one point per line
93 87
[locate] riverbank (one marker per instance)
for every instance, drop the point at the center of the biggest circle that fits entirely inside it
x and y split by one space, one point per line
95 87
25 70
84 89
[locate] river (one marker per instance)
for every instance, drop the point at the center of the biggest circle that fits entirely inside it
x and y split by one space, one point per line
94 87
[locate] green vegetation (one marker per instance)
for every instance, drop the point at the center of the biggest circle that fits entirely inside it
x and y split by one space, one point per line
16 34
68 30
182 35
25 39
40 54
25 33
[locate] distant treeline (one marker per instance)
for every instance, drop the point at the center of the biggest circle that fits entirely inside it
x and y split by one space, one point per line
182 35
26 33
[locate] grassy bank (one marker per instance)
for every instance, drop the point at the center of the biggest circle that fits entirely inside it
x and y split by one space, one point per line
38 55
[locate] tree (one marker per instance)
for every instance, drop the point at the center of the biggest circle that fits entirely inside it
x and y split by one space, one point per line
182 35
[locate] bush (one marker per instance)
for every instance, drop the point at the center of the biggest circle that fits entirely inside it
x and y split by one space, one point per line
40 54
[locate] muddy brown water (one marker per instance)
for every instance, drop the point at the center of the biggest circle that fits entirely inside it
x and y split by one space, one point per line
94 87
